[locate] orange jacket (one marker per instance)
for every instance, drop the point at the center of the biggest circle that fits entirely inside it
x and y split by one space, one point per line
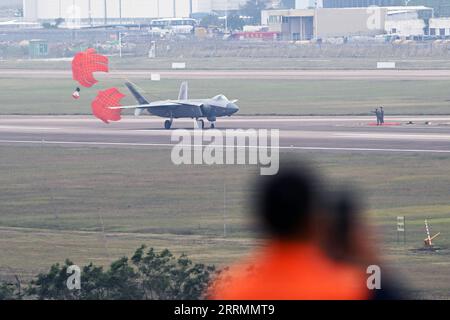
290 271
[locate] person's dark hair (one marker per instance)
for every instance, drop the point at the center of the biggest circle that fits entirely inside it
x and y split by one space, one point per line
345 212
286 201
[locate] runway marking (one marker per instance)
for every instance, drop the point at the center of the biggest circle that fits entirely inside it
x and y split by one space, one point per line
28 128
136 144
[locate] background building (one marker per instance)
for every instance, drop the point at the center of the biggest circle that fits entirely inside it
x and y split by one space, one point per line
361 3
305 4
98 10
441 7
323 23
128 10
440 27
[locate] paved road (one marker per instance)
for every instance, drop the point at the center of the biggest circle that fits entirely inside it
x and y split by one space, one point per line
246 74
331 134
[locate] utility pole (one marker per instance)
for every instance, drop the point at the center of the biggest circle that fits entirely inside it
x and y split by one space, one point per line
90 13
174 8
106 12
224 209
120 44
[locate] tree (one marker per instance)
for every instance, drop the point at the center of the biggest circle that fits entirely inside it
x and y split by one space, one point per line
148 275
52 285
252 9
167 277
211 20
6 291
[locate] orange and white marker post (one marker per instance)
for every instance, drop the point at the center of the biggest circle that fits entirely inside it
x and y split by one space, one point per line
428 241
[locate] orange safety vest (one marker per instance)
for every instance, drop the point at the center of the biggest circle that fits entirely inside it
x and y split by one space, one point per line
290 271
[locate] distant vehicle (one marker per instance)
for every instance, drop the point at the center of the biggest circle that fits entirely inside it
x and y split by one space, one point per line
183 107
173 25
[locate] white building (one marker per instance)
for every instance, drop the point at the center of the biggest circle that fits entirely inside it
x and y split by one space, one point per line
407 21
440 26
35 10
128 10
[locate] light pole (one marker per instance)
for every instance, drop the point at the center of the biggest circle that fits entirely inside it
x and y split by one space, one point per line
120 12
106 12
226 17
121 36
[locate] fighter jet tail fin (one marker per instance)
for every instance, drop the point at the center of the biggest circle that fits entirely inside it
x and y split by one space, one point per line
139 98
183 95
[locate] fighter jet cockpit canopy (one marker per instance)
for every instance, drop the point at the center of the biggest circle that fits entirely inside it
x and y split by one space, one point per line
220 97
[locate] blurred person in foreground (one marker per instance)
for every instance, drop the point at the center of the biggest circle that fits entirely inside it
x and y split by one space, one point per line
291 264
347 239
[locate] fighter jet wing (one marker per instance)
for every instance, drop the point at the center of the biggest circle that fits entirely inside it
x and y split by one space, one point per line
159 104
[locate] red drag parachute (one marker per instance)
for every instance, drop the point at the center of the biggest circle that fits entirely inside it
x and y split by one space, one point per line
102 103
84 64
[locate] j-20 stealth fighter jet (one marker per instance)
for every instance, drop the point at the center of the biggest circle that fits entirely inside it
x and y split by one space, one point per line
183 107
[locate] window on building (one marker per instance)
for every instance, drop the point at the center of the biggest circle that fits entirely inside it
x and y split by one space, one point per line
42 49
432 31
442 32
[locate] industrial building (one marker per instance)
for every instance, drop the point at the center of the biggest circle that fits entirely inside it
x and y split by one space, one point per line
361 3
441 7
115 11
440 27
323 23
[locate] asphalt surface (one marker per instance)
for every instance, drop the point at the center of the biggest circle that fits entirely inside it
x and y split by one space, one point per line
326 134
244 74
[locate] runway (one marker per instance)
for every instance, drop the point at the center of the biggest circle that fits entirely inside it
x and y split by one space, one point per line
427 134
243 74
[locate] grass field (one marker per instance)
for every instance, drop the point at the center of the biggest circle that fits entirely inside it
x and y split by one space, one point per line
56 203
236 63
281 97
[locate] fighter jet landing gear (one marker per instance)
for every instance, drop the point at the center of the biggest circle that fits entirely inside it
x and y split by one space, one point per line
168 124
200 124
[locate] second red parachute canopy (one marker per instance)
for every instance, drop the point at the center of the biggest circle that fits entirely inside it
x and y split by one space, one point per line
84 64
101 106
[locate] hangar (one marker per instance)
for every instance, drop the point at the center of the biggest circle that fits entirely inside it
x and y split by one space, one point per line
323 23
307 24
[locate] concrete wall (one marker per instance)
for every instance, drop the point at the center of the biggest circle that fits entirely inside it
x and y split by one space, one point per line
331 22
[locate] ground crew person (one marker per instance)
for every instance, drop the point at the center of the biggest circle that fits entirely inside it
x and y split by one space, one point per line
378 115
291 264
382 115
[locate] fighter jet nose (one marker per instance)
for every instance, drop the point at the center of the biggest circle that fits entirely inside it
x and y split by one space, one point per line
232 108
